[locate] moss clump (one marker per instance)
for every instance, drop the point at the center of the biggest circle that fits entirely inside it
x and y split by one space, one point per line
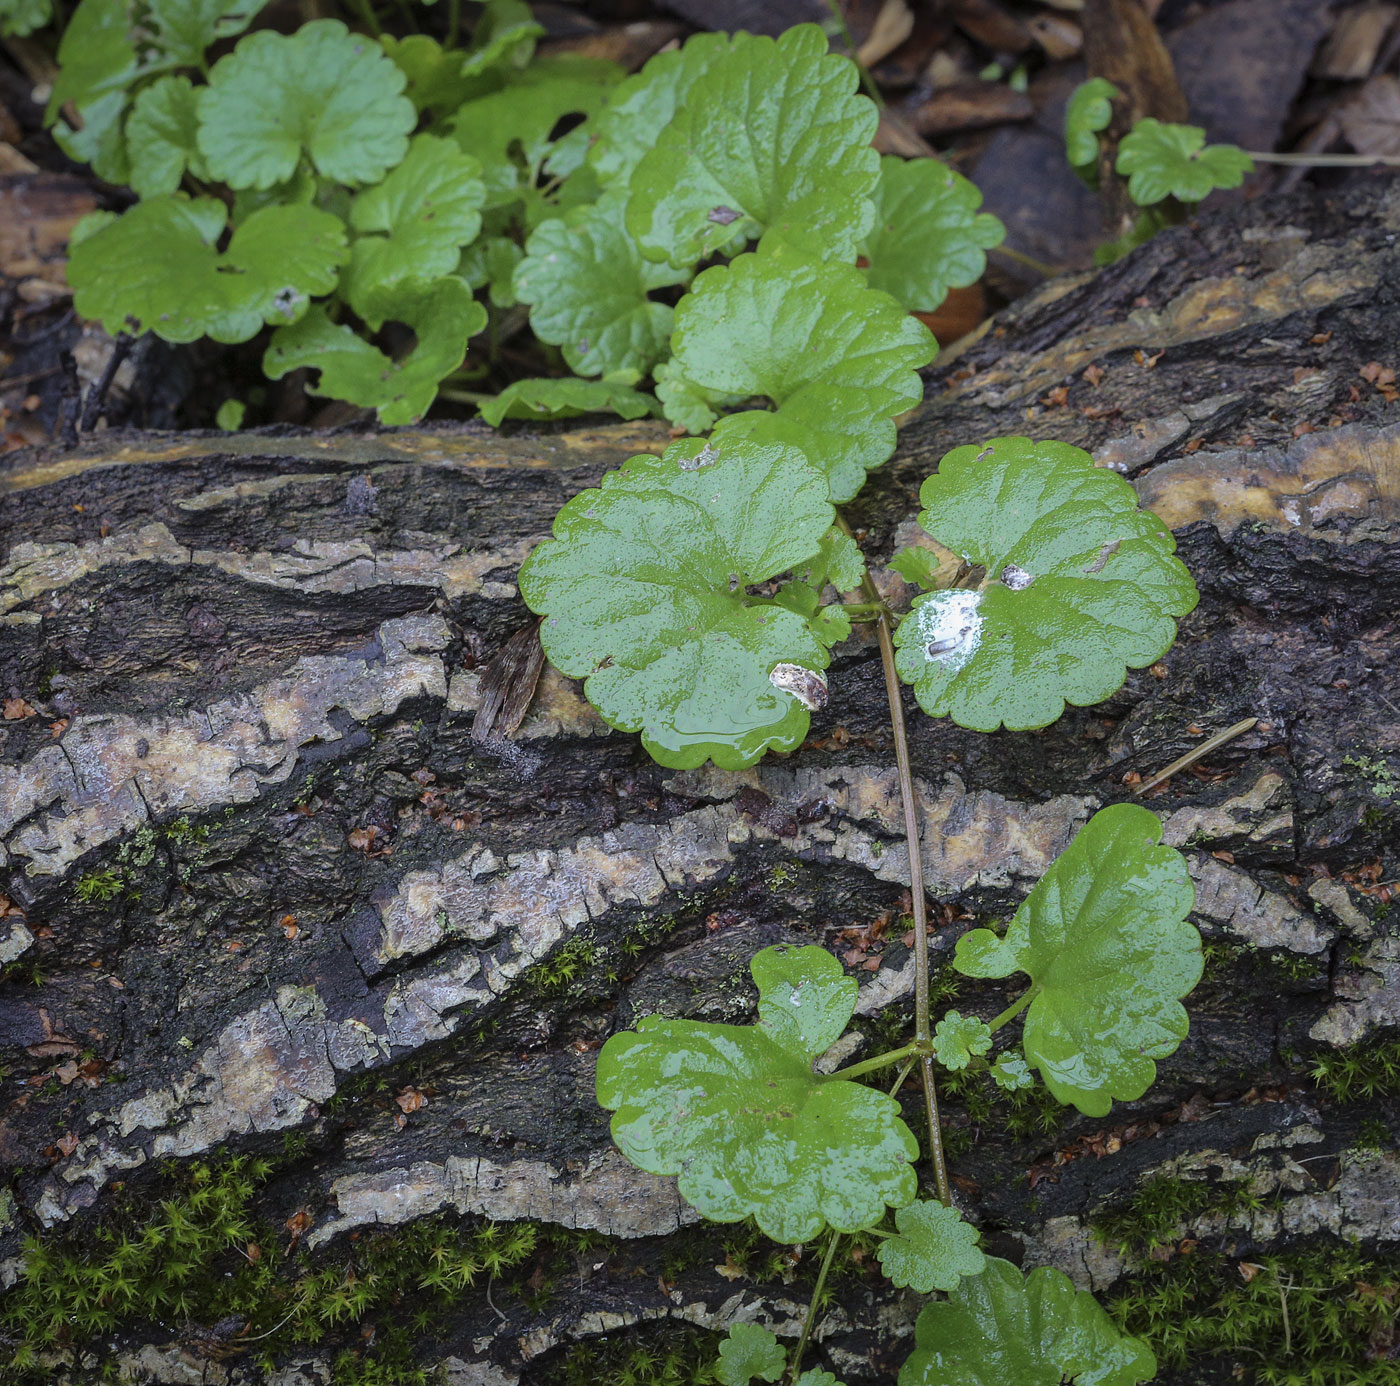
665 1355
1025 1114
1156 1216
1325 1315
201 1257
1364 1071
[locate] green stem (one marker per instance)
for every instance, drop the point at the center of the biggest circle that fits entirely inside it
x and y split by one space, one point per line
918 900
1015 1008
366 12
462 396
866 80
1029 261
454 22
795 1363
866 611
1325 160
879 1061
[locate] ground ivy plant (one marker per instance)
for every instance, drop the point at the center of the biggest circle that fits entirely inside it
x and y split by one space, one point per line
699 595
381 210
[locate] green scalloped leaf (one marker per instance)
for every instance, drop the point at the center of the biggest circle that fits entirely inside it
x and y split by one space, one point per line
161 137
504 36
751 1130
917 565
749 1351
432 74
1089 110
1104 938
185 28
928 235
627 127
442 314
958 1037
490 262
414 224
776 137
1081 586
836 357
998 1328
96 59
509 130
21 17
805 998
644 590
815 1376
1161 161
157 268
589 290
323 92
686 404
566 397
1012 1073
934 1250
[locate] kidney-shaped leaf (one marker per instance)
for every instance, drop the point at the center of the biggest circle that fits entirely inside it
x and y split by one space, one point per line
588 287
749 1351
805 998
998 1328
1162 160
1081 586
161 137
157 268
414 224
776 136
928 236
739 1115
644 588
935 1248
837 358
442 314
565 397
323 92
1104 938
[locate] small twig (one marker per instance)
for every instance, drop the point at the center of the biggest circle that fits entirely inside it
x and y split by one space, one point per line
92 406
1212 743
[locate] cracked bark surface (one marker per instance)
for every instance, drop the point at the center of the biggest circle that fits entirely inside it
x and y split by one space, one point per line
253 663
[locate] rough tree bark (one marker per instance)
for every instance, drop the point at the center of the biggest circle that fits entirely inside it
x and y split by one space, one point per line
253 663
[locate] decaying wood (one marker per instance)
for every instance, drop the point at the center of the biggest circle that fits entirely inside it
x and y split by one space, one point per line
241 674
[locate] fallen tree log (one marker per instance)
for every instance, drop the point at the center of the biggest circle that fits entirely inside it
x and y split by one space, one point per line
278 927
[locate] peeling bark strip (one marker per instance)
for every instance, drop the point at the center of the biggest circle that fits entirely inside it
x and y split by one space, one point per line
261 877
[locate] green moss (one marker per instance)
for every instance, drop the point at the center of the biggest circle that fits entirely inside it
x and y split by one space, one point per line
1155 1217
1382 779
98 886
1025 1115
201 1257
1374 1135
556 973
1363 1071
664 1355
1324 1315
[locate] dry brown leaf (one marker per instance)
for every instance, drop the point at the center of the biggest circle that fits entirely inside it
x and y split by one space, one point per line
410 1099
892 26
1371 119
16 709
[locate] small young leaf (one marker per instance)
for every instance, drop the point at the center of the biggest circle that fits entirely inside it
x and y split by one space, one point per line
805 998
1163 161
230 415
686 404
1012 1072
775 137
627 127
504 36
157 268
751 1130
998 1328
749 1351
588 286
842 561
934 1250
1089 110
442 314
815 1376
20 17
645 592
161 137
185 28
928 235
1081 586
831 625
1148 223
1104 938
565 398
490 261
836 357
918 566
958 1037
428 208
433 74
323 92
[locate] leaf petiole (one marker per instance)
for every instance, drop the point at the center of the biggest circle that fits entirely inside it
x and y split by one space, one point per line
913 1049
1015 1008
795 1364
